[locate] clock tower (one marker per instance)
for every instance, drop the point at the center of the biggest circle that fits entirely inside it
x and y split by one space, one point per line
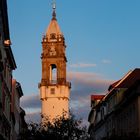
54 87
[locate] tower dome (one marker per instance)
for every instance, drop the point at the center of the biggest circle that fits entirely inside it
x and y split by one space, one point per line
53 29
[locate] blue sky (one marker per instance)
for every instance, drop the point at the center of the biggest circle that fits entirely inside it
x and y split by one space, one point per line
103 44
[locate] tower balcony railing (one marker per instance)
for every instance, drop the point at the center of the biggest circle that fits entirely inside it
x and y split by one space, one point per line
53 82
60 81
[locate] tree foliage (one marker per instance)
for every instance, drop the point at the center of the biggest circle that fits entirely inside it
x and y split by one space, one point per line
61 129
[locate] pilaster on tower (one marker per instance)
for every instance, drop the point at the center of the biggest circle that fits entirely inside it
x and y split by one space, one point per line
54 87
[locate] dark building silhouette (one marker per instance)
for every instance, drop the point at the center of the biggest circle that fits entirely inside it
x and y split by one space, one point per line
117 114
8 115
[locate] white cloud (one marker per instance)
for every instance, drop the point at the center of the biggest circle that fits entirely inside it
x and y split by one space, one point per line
33 117
94 82
84 75
83 65
83 85
31 101
106 61
80 103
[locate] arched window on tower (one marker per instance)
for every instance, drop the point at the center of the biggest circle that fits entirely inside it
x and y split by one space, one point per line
53 73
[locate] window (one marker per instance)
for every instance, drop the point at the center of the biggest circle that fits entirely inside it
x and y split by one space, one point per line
52 90
53 36
53 73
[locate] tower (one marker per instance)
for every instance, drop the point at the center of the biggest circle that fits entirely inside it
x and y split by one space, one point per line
54 88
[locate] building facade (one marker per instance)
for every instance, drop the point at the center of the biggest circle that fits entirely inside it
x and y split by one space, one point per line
8 117
16 110
54 87
117 114
7 65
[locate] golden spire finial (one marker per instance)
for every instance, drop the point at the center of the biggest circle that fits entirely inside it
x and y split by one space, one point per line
54 4
54 8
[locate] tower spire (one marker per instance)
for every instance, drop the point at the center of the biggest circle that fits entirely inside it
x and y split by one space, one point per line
54 87
54 10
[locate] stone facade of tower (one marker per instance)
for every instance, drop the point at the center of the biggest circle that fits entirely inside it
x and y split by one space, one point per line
54 88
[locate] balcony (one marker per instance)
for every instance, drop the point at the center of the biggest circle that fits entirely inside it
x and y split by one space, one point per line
59 81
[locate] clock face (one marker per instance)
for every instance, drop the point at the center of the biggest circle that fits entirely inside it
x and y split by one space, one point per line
52 51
